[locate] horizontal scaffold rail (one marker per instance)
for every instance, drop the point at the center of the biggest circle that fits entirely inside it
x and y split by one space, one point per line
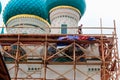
8 39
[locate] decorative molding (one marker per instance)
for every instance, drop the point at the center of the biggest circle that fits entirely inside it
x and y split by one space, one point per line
68 7
28 16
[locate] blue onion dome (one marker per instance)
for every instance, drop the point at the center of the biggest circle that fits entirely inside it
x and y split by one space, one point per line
17 7
0 7
78 4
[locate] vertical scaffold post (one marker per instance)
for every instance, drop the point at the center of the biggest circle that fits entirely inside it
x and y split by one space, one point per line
116 51
103 68
17 58
45 57
74 62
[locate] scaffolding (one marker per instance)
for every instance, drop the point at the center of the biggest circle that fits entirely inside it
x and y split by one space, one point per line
108 58
4 75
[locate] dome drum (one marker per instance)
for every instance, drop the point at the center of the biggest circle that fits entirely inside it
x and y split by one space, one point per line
64 17
65 11
27 24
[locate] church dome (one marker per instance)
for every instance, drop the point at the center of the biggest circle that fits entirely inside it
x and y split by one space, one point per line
0 7
78 4
17 7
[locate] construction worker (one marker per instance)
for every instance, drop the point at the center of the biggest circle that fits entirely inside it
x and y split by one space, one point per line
80 29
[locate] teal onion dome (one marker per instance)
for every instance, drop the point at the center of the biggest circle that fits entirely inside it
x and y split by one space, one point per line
17 7
0 7
78 4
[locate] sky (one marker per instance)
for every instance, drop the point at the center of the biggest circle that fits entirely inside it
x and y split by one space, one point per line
107 10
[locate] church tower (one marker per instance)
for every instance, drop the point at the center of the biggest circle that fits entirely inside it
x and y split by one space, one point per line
26 17
65 14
